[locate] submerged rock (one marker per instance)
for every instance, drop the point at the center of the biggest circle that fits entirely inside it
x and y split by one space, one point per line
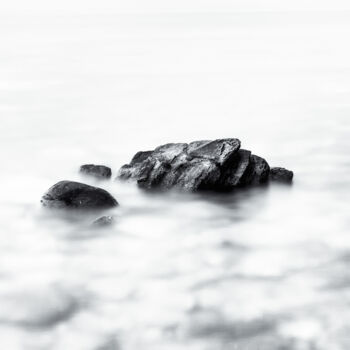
218 165
70 194
281 175
40 307
99 171
103 221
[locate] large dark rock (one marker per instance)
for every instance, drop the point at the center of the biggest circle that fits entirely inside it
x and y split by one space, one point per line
99 171
218 165
281 175
69 194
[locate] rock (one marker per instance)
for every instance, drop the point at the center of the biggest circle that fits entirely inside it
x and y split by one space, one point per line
69 194
200 165
103 221
171 166
236 174
139 157
169 152
99 171
193 175
246 170
281 175
219 151
260 170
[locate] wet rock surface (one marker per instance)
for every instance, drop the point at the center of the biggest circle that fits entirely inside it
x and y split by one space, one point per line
281 175
219 165
97 171
103 221
70 194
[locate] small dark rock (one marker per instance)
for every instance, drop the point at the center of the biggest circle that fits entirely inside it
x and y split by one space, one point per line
261 170
281 175
103 221
99 171
70 194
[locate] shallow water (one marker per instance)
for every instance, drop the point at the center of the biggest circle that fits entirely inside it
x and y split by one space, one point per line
260 269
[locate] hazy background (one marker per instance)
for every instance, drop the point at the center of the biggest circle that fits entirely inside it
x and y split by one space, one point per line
97 81
139 6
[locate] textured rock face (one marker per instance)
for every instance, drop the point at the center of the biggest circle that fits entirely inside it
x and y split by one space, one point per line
261 170
214 165
281 175
69 194
219 151
99 171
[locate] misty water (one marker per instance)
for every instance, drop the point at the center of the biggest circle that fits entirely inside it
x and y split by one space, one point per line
262 269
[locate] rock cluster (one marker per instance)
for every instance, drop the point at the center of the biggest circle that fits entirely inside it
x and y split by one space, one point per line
219 165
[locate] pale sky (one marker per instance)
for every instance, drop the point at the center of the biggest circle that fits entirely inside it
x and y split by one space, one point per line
142 6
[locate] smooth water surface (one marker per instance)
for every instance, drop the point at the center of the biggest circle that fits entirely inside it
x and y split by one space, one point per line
263 269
